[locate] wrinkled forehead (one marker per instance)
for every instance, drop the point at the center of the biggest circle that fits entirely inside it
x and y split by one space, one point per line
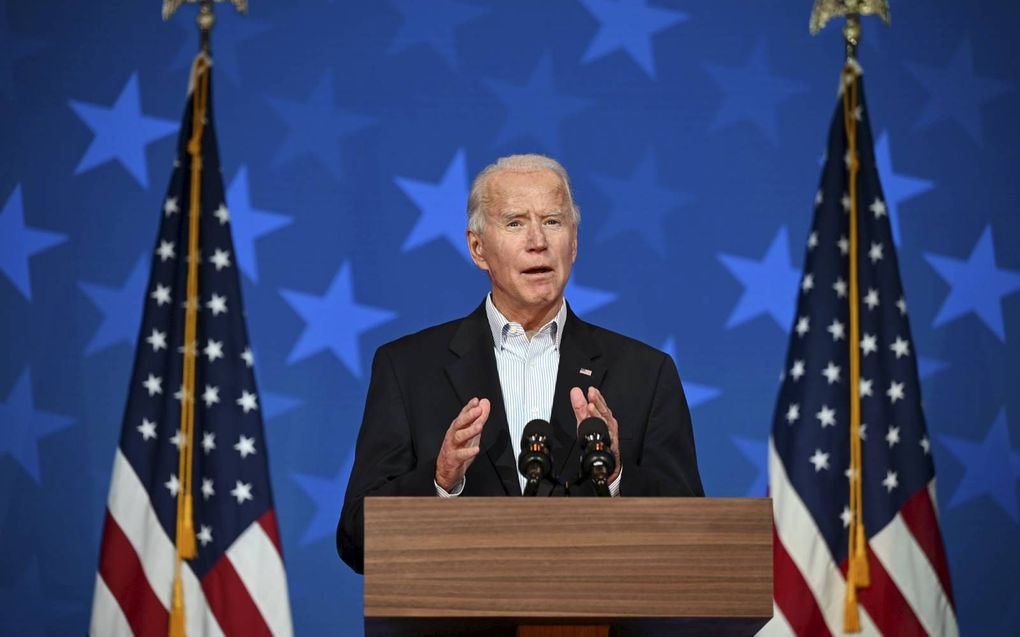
525 190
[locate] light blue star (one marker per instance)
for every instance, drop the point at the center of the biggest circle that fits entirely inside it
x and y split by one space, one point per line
325 494
21 425
432 23
976 285
769 285
334 321
231 30
584 299
990 467
628 25
640 205
757 453
121 132
928 367
897 188
955 92
249 223
752 93
442 207
317 126
121 308
274 405
535 110
18 242
12 48
695 393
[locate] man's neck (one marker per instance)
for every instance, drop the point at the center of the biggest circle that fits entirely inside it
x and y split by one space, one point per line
532 320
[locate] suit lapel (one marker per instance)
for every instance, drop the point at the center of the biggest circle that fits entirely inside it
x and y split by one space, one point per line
580 366
473 374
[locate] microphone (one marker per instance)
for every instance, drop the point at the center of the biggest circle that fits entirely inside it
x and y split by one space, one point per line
597 461
535 461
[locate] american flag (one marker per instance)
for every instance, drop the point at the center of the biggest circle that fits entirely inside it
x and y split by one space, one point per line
910 592
236 584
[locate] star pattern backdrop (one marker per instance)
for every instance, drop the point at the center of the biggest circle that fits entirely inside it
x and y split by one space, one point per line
349 132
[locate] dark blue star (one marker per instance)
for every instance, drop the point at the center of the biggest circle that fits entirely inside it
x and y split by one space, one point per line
628 25
432 23
12 48
121 132
325 493
18 242
441 205
21 425
584 299
317 126
249 223
990 467
976 285
639 205
121 308
770 285
536 109
231 30
897 188
753 93
334 321
695 393
955 92
274 405
757 453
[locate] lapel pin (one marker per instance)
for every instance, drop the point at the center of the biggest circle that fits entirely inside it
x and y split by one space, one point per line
585 371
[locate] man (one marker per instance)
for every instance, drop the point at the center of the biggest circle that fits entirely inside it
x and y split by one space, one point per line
446 406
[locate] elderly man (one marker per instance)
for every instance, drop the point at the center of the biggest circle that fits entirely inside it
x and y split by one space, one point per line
446 406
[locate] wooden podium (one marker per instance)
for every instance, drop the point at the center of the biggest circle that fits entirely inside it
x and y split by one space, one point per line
567 566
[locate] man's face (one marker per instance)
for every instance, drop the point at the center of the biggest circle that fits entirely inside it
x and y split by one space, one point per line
529 242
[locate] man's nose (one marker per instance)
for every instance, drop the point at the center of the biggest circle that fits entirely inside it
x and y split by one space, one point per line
536 237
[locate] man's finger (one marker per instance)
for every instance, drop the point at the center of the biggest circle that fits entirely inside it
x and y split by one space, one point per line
579 404
463 435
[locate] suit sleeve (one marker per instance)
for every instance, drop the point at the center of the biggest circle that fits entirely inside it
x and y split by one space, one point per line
668 464
386 462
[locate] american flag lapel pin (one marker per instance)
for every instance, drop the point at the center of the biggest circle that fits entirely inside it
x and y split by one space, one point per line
585 371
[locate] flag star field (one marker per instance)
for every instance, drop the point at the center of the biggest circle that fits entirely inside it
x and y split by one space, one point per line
696 135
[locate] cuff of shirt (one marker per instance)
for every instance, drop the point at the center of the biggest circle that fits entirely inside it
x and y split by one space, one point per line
614 486
458 489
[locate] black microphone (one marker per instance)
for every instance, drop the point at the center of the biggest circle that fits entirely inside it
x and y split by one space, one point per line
597 460
535 461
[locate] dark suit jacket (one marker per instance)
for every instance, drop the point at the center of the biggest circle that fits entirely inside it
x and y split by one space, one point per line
421 382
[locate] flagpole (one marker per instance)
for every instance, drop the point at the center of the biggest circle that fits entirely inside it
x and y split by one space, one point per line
858 571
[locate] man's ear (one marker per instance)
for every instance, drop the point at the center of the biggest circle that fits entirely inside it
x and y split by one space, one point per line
477 250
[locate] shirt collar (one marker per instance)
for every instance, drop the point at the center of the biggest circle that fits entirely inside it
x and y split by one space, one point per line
500 325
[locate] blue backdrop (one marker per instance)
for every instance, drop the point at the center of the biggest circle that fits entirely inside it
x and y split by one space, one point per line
349 132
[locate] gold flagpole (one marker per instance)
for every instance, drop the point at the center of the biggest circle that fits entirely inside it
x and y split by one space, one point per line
199 88
858 573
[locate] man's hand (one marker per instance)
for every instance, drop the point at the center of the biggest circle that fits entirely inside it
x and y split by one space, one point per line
460 445
595 405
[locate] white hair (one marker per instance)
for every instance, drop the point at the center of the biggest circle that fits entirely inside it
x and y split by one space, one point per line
478 196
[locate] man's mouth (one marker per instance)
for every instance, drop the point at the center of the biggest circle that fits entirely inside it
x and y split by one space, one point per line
538 270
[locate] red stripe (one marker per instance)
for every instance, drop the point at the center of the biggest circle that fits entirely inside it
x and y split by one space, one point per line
230 602
919 515
885 604
792 594
268 524
122 572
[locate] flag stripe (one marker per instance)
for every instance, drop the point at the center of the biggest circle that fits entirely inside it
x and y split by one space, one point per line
122 571
921 518
108 618
257 562
793 596
799 535
913 574
268 524
890 611
230 603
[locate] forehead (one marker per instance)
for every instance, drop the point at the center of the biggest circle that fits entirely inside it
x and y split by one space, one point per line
539 189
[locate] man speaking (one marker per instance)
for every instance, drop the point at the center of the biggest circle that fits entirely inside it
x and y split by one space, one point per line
447 407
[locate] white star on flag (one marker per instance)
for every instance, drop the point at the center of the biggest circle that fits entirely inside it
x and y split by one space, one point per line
878 207
222 214
242 491
837 330
245 446
803 325
893 436
173 485
161 294
808 282
895 391
820 460
845 517
875 253
178 439
217 303
901 347
165 250
248 357
147 429
213 350
170 206
902 304
869 344
221 259
826 416
793 413
871 300
844 245
797 370
207 488
247 401
211 395
208 441
154 385
831 373
865 387
204 535
890 482
840 287
812 241
157 339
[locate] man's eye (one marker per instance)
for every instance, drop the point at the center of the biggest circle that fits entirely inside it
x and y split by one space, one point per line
513 224
553 222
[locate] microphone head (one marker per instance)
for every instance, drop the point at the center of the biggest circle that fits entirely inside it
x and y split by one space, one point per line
593 427
536 427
